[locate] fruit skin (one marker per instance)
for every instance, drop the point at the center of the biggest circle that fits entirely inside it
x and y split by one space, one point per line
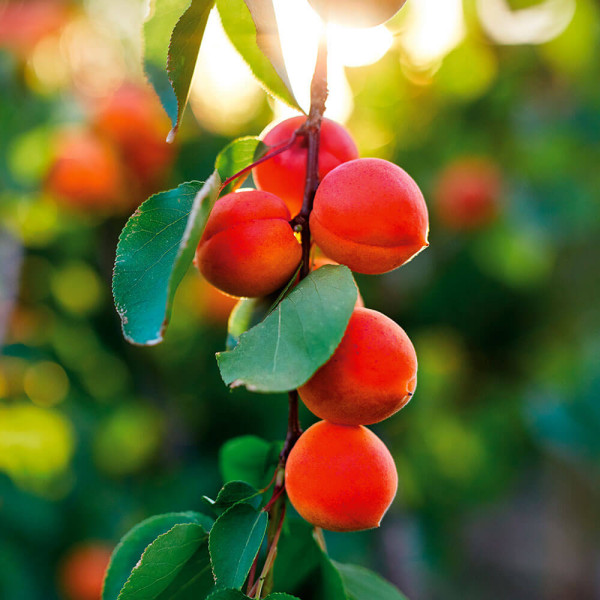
85 173
248 247
357 13
82 570
467 194
284 175
371 375
340 478
370 215
134 121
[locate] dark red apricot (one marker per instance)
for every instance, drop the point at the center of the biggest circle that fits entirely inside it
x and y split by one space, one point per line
248 247
357 13
371 375
370 215
468 193
284 175
340 478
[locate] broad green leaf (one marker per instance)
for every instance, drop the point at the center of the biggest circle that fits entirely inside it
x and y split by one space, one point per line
249 458
283 351
281 596
183 52
236 156
155 250
131 547
232 493
241 30
301 565
173 32
163 570
247 313
234 542
227 594
362 584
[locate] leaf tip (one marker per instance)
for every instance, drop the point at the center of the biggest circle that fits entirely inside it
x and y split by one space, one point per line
172 134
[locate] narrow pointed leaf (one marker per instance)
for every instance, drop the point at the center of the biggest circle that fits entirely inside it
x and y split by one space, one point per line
173 33
283 351
234 542
241 30
163 570
362 584
155 250
131 547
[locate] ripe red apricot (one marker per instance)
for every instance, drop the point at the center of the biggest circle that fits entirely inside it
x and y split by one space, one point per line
357 13
85 173
371 375
284 175
370 215
82 570
467 193
248 247
340 478
133 119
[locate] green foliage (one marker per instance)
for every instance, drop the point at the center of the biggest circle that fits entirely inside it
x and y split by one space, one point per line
362 584
232 493
234 542
248 458
155 250
237 156
272 357
250 30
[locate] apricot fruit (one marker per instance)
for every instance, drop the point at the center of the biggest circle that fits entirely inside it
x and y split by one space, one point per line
467 194
284 175
86 174
133 120
81 572
340 478
370 215
248 247
371 375
357 13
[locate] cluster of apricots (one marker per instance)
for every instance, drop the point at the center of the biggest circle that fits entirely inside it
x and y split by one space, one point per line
112 165
369 215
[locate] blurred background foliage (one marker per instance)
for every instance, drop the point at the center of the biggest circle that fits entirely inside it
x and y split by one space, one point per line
494 107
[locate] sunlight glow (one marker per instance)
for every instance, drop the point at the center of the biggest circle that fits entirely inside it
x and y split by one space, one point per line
359 47
224 95
432 29
533 25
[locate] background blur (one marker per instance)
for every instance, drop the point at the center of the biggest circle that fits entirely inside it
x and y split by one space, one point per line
493 106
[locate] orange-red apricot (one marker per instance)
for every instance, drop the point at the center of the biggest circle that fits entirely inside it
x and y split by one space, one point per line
370 215
81 572
248 247
85 174
371 375
284 175
357 13
340 478
467 193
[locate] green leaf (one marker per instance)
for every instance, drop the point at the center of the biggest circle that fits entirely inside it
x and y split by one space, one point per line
241 29
236 156
232 493
173 33
297 338
248 458
164 571
362 584
155 250
162 17
131 547
247 313
281 596
183 52
302 567
227 594
234 542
